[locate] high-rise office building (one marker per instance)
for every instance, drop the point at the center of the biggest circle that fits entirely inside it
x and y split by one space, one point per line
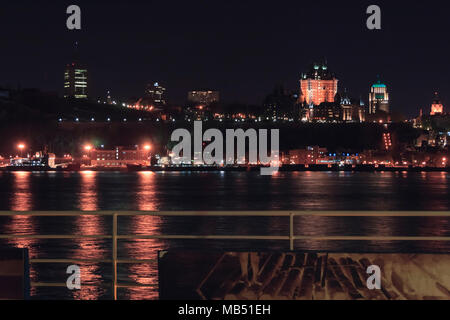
156 94
203 97
75 77
75 81
436 107
318 85
378 98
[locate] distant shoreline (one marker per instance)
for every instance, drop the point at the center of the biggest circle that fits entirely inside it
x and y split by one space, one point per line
285 168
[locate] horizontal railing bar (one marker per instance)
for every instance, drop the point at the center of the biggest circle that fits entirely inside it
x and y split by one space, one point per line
47 284
131 261
52 236
134 285
200 237
64 285
55 213
233 213
374 213
374 238
226 237
69 261
124 261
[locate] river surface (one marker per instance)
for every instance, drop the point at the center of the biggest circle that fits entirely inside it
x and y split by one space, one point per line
236 191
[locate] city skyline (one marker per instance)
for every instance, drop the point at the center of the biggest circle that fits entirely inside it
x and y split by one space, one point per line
224 150
198 47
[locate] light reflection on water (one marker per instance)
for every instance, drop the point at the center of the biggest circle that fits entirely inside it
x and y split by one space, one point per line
148 191
145 273
88 194
21 199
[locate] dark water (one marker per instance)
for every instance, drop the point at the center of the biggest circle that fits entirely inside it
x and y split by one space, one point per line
87 191
224 191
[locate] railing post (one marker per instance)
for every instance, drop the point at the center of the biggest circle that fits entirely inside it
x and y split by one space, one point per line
291 231
114 256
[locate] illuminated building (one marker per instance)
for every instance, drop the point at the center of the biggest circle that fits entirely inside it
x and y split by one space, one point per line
346 106
436 106
351 110
360 112
318 85
310 155
75 81
325 112
120 157
203 97
156 94
378 98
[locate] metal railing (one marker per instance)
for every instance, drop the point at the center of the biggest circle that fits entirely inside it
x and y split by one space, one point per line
291 237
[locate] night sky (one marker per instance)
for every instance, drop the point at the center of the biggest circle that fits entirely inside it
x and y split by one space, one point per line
241 48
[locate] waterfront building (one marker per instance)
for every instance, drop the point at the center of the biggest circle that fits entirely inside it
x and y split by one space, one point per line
436 107
203 97
309 155
318 85
378 98
119 157
75 81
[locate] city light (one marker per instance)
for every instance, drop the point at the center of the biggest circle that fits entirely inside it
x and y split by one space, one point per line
21 146
147 147
88 147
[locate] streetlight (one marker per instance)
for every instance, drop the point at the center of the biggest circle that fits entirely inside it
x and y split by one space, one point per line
88 148
148 147
21 146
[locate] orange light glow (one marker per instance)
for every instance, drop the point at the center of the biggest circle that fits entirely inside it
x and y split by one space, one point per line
88 195
22 197
88 147
21 146
147 147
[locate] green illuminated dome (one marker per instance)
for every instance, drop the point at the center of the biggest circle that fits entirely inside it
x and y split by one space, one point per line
379 85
